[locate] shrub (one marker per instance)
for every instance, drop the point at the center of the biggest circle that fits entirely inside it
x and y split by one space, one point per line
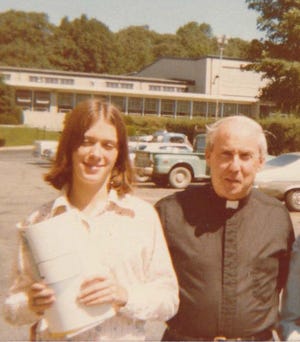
6 119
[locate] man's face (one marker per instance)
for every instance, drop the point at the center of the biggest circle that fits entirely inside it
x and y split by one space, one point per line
234 160
95 158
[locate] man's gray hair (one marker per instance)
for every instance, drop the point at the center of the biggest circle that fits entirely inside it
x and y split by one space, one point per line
254 126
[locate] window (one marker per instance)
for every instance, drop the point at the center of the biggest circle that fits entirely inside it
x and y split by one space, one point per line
24 98
183 107
51 80
112 84
168 88
6 77
135 105
35 79
67 81
229 109
151 106
127 85
64 102
119 101
244 109
167 107
199 108
82 97
154 87
211 108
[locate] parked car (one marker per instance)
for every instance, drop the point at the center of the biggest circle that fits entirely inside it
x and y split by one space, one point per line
170 137
280 178
43 149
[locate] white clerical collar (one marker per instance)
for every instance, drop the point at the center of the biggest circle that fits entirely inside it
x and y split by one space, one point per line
232 204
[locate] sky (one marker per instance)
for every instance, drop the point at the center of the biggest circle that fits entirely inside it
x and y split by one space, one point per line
226 17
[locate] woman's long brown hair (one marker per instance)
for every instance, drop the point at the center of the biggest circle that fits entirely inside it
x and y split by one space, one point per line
76 124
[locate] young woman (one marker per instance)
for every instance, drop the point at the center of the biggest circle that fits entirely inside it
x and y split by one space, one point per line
93 173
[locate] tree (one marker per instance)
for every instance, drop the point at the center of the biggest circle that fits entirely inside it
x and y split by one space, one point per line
196 39
24 39
279 54
9 112
167 45
83 44
135 48
236 48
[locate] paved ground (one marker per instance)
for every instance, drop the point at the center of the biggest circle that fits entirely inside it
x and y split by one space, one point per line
22 190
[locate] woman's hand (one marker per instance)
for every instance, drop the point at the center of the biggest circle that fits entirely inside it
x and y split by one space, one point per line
102 289
40 298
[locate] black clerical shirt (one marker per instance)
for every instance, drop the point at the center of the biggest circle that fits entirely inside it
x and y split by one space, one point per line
231 263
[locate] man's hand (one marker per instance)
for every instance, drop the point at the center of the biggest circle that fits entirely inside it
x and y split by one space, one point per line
102 289
40 298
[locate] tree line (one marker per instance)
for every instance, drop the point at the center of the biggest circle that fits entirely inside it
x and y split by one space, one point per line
28 39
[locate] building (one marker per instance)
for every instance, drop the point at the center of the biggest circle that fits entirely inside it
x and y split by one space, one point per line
173 87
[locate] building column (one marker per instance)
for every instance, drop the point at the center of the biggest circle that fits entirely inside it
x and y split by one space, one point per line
53 102
159 107
191 108
126 105
143 106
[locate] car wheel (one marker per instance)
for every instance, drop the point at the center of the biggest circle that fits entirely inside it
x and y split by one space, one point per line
292 200
140 178
180 177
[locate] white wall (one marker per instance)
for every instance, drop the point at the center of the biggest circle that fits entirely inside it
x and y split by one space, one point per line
44 120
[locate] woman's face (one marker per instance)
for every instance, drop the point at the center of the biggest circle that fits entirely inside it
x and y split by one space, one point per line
95 158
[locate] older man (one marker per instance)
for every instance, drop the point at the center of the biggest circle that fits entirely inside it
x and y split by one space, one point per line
230 244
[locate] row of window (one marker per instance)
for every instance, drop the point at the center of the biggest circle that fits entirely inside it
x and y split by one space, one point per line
119 85
41 100
166 88
51 80
152 87
109 84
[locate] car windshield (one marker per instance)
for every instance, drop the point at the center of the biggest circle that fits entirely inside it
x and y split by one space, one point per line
282 160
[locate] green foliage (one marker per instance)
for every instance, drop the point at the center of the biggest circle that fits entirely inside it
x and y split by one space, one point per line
283 134
279 54
9 112
24 39
167 45
7 119
196 39
135 45
237 48
84 45
27 39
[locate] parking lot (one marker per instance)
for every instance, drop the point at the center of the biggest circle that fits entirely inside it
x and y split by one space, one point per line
23 190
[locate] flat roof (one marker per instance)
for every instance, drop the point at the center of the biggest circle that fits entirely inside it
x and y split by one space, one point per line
90 75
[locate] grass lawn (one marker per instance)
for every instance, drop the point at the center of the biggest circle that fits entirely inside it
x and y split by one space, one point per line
20 135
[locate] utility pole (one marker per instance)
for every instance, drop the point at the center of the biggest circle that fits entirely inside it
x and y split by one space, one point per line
222 41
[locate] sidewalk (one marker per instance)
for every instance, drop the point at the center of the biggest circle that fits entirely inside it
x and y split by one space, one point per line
16 148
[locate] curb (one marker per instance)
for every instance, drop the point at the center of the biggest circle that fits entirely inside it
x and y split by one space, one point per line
16 148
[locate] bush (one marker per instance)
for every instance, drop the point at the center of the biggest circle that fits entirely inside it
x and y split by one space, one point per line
6 119
283 134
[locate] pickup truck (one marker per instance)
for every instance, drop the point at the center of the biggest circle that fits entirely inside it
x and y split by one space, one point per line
177 169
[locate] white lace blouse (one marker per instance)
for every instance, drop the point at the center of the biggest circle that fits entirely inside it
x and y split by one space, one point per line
132 242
